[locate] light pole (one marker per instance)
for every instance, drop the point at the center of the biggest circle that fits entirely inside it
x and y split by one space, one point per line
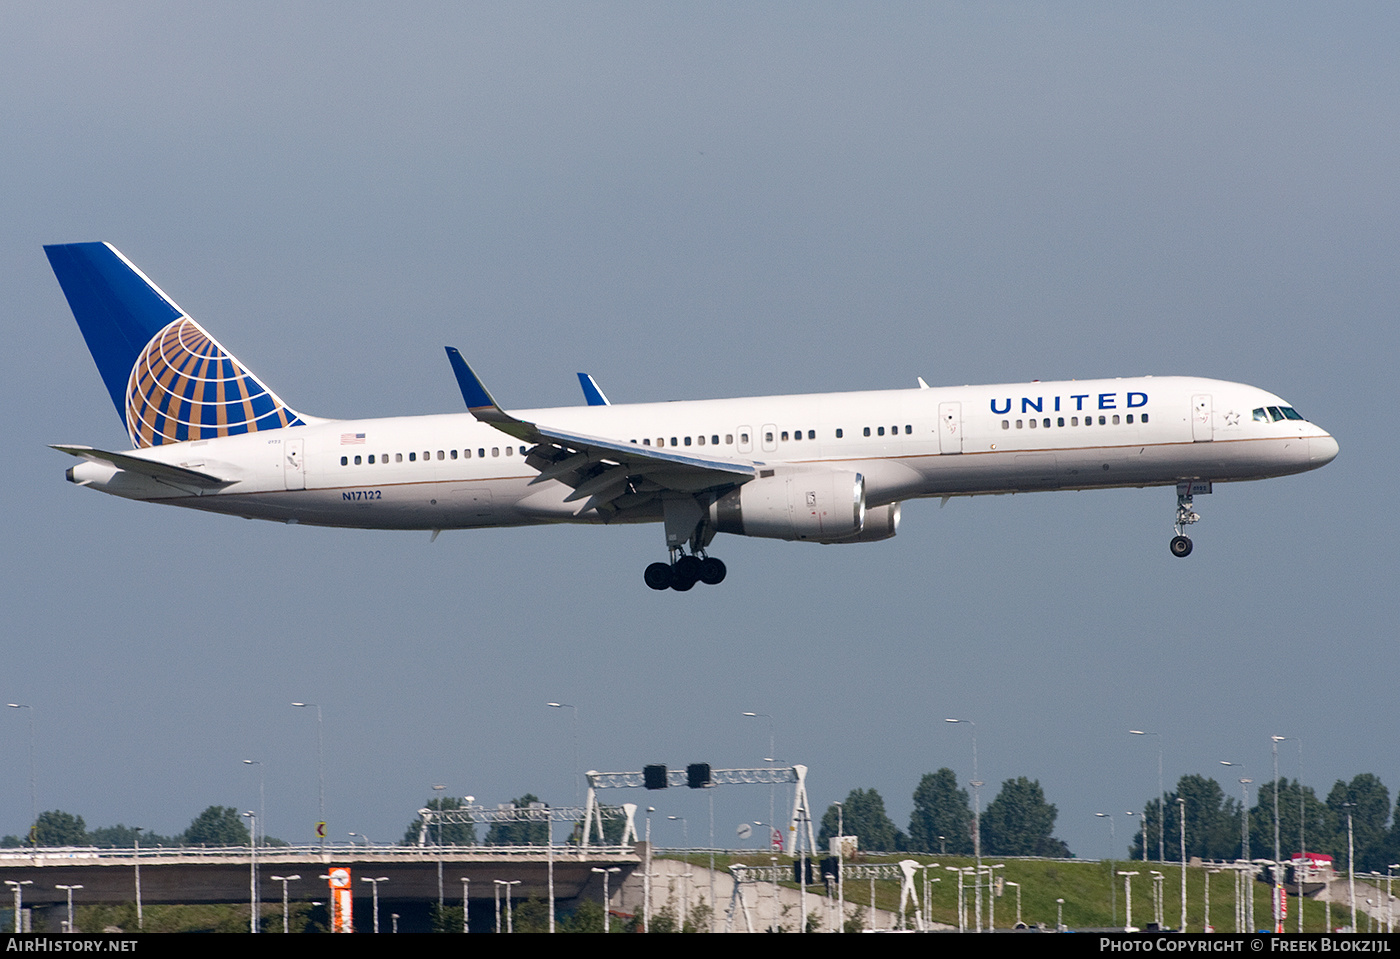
261 818
284 880
438 788
976 784
17 885
1059 915
33 792
1244 811
252 871
1278 866
1351 864
646 879
1128 897
606 902
1018 901
136 838
573 773
69 890
1161 800
1181 805
375 883
320 772
510 915
1112 844
466 927
772 752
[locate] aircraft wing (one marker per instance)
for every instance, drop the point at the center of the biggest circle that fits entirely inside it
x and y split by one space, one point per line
610 475
178 476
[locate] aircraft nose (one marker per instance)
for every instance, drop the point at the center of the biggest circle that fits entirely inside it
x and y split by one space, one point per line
1322 450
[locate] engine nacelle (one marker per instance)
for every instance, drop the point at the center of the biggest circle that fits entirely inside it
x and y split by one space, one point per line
797 505
881 522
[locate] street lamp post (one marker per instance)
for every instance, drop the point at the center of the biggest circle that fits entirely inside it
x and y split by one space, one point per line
320 772
466 927
1278 866
33 793
976 784
1161 800
69 890
17 885
136 839
1128 898
1181 805
252 871
606 903
573 773
1112 844
375 883
285 909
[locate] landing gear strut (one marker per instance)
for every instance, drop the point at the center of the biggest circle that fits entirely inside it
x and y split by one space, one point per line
684 571
1185 516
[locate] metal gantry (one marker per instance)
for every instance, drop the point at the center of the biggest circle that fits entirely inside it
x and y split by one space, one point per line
799 825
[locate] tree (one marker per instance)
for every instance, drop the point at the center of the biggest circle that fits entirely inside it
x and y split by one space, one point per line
124 837
217 826
941 810
1368 801
1212 822
440 833
1320 824
864 817
59 828
519 833
1018 822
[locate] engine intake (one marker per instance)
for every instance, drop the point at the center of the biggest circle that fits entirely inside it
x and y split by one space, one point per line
799 505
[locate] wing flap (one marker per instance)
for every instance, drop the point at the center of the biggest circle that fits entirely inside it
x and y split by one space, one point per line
604 471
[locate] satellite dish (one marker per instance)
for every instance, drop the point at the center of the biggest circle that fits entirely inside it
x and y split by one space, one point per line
744 830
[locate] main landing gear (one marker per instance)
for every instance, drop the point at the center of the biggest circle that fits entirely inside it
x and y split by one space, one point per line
684 571
1185 516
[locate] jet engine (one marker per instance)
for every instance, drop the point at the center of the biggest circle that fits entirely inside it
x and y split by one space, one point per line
797 505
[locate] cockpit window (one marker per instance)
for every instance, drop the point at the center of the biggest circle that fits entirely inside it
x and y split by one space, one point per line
1292 414
1276 414
1261 415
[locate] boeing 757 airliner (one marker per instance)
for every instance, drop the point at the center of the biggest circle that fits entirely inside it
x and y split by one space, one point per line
827 468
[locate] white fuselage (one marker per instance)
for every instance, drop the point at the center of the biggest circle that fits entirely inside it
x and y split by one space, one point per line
451 471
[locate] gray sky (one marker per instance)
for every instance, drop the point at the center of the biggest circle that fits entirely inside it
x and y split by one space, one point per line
692 201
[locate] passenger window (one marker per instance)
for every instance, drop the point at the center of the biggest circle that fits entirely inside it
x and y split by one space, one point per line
1115 419
908 429
495 451
357 461
413 457
1046 421
1033 424
1006 424
1144 417
1060 421
440 455
840 433
867 431
1019 424
398 457
1130 419
700 440
510 450
785 439
1074 421
646 442
767 437
481 452
1102 421
881 431
454 454
673 441
371 459
344 461
714 439
467 453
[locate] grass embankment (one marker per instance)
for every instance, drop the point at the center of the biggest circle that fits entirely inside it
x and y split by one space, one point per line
1092 893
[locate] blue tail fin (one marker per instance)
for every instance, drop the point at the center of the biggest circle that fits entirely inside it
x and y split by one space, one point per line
169 380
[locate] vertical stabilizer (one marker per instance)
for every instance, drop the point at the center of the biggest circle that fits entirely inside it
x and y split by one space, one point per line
168 378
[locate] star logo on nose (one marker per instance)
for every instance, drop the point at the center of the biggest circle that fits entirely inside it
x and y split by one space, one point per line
1232 418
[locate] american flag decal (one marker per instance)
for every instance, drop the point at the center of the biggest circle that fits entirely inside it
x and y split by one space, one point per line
352 439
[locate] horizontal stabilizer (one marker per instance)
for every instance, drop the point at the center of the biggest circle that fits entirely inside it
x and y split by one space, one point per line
161 472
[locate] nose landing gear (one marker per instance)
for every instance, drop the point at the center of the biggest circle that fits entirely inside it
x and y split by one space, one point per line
1185 516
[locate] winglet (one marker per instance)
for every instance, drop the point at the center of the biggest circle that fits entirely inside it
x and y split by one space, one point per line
480 402
591 392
